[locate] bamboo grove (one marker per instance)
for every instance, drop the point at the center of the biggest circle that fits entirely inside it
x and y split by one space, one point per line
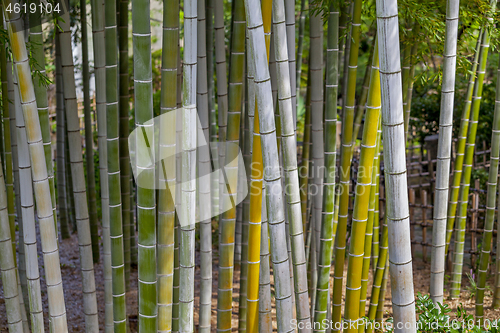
251 175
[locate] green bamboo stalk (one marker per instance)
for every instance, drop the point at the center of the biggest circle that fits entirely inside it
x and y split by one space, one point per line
100 78
369 228
114 183
362 198
78 178
89 137
378 277
229 133
381 300
222 98
460 150
146 198
345 161
69 177
57 309
124 105
361 105
327 225
211 105
28 216
496 292
8 267
484 258
438 255
166 193
204 196
61 143
458 253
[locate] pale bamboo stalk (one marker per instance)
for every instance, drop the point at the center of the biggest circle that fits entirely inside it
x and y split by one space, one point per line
15 173
57 308
438 255
204 163
246 209
78 179
37 51
272 177
7 156
292 64
289 148
28 216
397 210
8 266
100 80
188 187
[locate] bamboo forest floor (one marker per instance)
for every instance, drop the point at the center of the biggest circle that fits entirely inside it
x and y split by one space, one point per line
74 305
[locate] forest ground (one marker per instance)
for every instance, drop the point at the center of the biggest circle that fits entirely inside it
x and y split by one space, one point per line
74 302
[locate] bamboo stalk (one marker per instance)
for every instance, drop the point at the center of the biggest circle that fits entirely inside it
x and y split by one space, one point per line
124 106
345 160
272 177
167 144
8 266
28 216
146 198
100 79
397 211
78 179
57 309
460 150
204 196
113 149
484 258
438 255
327 225
459 243
89 137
